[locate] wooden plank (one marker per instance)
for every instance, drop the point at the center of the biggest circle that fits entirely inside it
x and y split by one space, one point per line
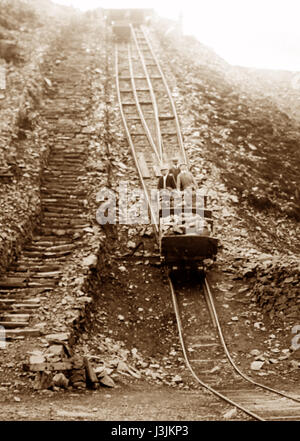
11 317
286 417
203 212
166 117
143 165
61 336
38 367
46 274
126 78
20 309
135 118
12 325
28 332
204 345
166 135
13 282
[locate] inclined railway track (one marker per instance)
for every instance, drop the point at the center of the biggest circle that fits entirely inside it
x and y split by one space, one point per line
153 131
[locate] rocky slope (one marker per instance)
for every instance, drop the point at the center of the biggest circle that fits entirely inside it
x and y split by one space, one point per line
253 143
245 151
283 87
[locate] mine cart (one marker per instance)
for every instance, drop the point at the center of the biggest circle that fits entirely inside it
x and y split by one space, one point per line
121 31
133 16
186 237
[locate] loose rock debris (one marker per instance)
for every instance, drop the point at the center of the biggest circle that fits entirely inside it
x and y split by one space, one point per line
56 367
66 308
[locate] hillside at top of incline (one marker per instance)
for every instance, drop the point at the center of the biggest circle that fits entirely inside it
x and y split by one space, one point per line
249 132
282 86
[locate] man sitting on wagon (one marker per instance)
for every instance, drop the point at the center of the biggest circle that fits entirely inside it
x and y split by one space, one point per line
175 169
185 179
166 181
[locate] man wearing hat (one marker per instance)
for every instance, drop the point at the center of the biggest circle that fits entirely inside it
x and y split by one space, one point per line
175 169
166 180
185 179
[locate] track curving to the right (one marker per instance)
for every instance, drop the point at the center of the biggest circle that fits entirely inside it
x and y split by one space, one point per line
205 350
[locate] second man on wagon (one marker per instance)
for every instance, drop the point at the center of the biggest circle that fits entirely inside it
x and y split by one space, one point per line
185 179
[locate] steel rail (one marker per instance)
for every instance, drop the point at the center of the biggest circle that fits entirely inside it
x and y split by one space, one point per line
136 98
178 129
220 332
153 99
153 217
205 385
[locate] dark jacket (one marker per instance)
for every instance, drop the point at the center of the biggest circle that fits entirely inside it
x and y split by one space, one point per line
175 172
170 182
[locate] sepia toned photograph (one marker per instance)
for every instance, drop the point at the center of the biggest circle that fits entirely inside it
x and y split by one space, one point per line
149 214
